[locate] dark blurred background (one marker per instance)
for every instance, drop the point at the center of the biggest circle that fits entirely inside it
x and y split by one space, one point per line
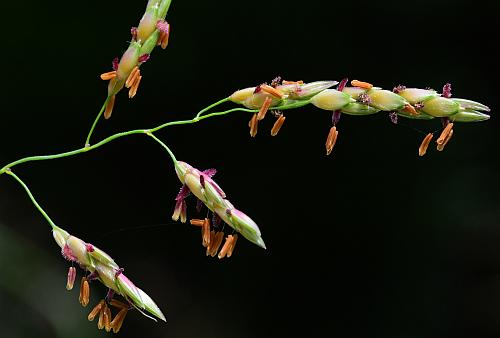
372 241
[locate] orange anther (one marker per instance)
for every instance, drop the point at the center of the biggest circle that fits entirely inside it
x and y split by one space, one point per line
270 90
361 84
425 144
265 107
277 125
108 76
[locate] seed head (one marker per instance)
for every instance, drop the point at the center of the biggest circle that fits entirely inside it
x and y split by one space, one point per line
215 200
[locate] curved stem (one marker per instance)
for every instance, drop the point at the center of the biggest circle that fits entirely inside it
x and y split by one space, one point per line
145 131
52 224
211 106
116 136
172 156
87 141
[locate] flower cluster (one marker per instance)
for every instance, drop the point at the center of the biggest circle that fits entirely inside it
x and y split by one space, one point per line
152 31
99 266
200 184
361 98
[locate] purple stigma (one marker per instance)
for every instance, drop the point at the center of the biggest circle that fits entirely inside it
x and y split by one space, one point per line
202 181
143 58
336 117
342 84
115 63
89 247
68 253
210 172
394 117
364 98
447 90
133 32
228 212
119 272
257 89
398 89
162 26
183 193
276 81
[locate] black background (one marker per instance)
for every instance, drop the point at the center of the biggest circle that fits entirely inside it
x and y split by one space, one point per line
372 241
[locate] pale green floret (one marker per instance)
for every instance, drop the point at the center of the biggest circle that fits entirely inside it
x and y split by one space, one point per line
354 92
386 100
416 95
147 25
107 276
331 99
256 101
103 258
307 90
150 43
421 115
129 60
356 108
468 104
241 95
212 195
440 107
193 183
150 305
240 222
60 236
128 289
469 116
79 250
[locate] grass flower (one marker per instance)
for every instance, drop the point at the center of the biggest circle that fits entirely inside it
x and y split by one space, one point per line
200 184
99 266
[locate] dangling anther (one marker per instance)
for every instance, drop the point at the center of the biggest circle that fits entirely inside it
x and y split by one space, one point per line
133 89
214 247
277 125
361 84
225 247
95 311
444 134
107 318
117 322
270 90
164 29
205 231
410 109
84 292
425 144
440 147
117 304
253 124
331 140
197 222
265 107
233 244
109 75
132 77
71 278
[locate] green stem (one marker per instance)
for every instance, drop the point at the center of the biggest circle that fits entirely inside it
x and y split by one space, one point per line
52 224
116 136
87 141
211 106
172 156
146 131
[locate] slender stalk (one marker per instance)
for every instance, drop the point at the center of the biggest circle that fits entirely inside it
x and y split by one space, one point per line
144 131
52 224
172 156
211 106
114 137
87 141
